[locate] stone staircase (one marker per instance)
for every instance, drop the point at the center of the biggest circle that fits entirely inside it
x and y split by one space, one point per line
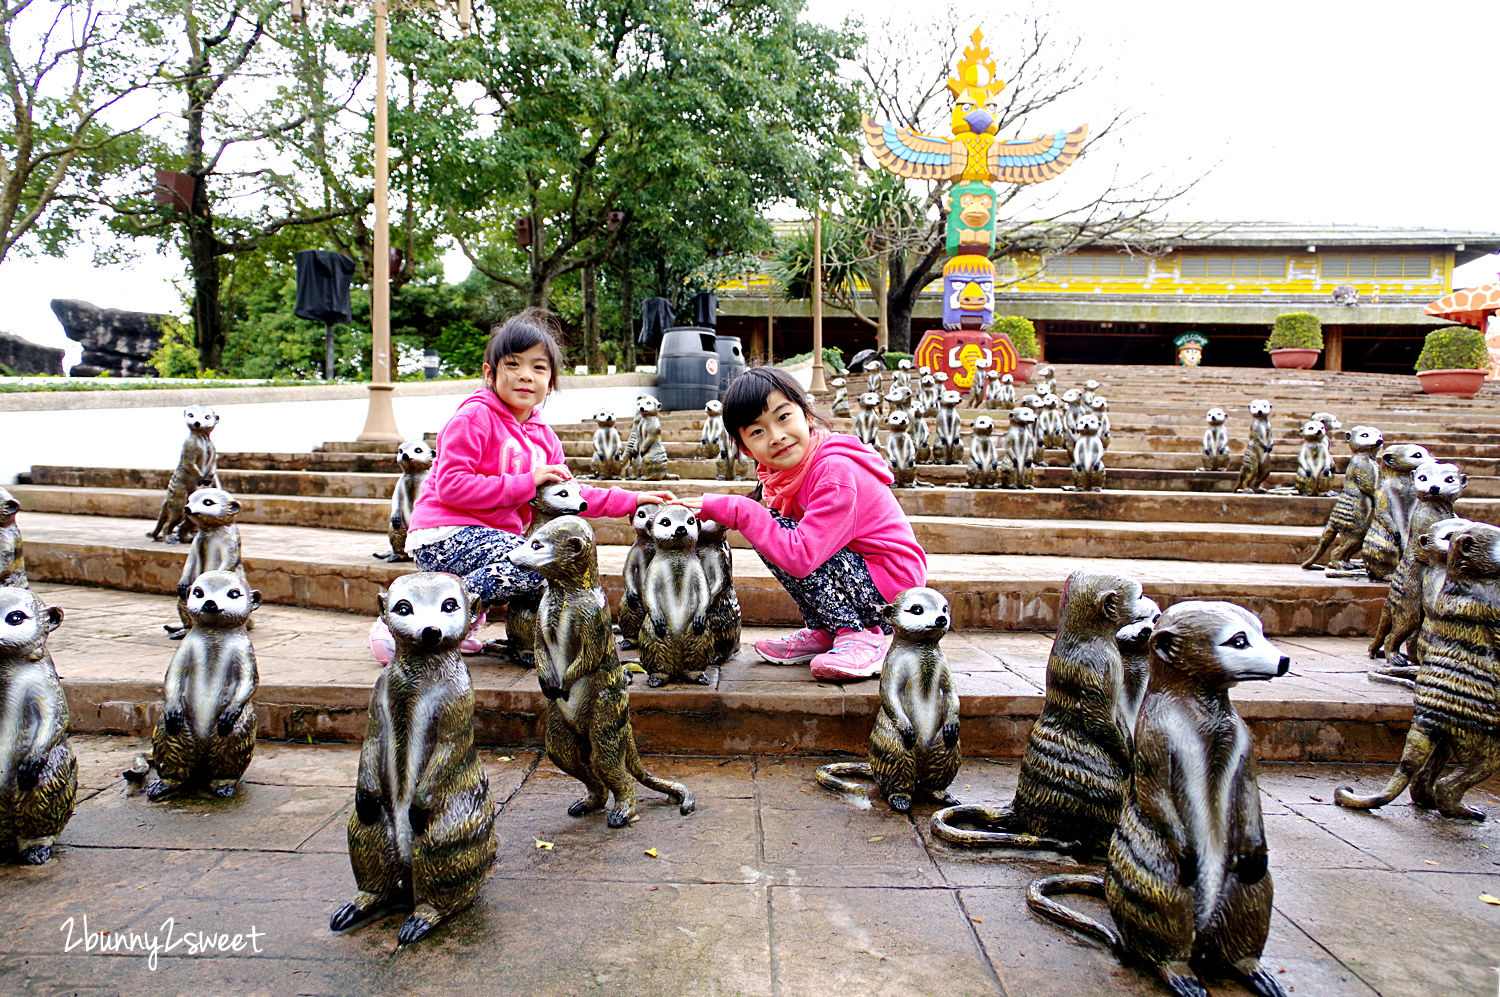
311 522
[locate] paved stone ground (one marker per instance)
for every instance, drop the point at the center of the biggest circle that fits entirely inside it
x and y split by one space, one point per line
773 887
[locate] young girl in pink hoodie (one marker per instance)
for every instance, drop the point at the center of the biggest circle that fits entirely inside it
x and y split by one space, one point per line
831 531
492 456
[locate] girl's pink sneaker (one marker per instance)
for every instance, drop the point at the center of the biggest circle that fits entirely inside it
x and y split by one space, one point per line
794 649
382 644
856 654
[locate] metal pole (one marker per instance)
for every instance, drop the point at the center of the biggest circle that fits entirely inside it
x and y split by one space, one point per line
818 383
380 421
883 304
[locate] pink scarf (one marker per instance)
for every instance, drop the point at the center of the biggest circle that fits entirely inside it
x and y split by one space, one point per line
779 488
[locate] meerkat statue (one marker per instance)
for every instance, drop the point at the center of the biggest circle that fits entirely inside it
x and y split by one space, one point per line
730 459
675 642
588 732
1051 424
609 450
207 731
1385 540
950 429
1314 464
1046 378
637 559
422 834
1088 456
12 552
932 390
874 375
1076 771
914 749
713 429
723 603
1456 718
38 771
197 467
1330 422
902 376
1090 390
651 452
900 451
554 499
1100 409
1414 587
840 396
981 381
1073 408
1255 466
1038 406
214 547
867 420
1436 486
983 465
920 394
1187 880
415 458
632 453
1215 442
1018 463
1344 532
1000 391
921 437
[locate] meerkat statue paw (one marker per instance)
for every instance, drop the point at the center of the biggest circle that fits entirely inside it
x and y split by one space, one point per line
944 799
225 723
174 633
900 802
1461 812
29 771
700 677
160 790
1251 867
656 681
620 818
367 808
1258 979
1181 981
416 927
35 855
908 736
225 790
418 818
587 805
659 627
173 722
950 733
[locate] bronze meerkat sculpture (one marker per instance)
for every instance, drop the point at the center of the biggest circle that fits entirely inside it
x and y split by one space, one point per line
1435 487
1000 392
1414 587
867 419
215 546
1187 880
1314 464
840 388
980 381
713 428
637 559
197 467
1456 716
1019 456
415 458
1385 540
983 465
38 771
914 749
12 551
675 642
423 829
1046 377
1255 465
609 450
900 450
950 429
651 452
1075 773
632 450
588 732
554 499
206 735
1100 407
1345 530
1088 456
1215 442
723 602
730 461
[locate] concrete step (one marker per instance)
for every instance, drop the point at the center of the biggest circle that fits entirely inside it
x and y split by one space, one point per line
331 569
316 673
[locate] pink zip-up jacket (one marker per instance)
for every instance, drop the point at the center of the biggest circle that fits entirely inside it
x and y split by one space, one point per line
845 501
485 459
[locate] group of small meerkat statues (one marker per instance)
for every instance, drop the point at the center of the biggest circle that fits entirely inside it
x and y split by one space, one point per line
640 456
1315 465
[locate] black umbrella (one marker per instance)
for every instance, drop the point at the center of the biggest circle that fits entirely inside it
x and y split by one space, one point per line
858 361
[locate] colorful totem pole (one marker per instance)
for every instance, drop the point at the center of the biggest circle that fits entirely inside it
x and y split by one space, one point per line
974 157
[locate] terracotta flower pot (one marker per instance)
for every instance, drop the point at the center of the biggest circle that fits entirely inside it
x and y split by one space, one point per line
1295 358
1463 383
1024 367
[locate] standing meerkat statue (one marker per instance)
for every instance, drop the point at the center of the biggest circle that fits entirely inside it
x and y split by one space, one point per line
921 436
874 374
651 452
207 731
950 429
1414 587
415 458
609 450
1255 466
1051 424
1090 389
422 834
588 732
900 451
1187 880
1088 456
914 748
1073 409
713 428
1385 540
1076 772
12 552
632 452
554 499
1000 391
1314 463
983 465
1046 378
902 376
1345 530
723 602
1215 442
675 643
1038 406
637 559
38 771
1018 462
981 381
867 420
730 459
1456 718
840 388
214 547
1100 408
197 467
1330 422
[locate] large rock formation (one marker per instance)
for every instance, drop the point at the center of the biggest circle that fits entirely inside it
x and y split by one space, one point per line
114 341
21 356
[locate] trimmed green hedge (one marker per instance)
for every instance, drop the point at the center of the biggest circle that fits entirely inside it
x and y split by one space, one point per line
1453 347
1021 332
1296 330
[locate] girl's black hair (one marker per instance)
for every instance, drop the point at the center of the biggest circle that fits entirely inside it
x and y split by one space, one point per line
746 396
520 333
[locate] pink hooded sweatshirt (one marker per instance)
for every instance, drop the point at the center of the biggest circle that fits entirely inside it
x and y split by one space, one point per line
845 501
482 477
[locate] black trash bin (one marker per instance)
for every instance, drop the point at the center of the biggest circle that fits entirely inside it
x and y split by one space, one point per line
731 359
687 369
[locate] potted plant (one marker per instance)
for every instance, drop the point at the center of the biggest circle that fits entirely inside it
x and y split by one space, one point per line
1022 335
1454 361
1296 340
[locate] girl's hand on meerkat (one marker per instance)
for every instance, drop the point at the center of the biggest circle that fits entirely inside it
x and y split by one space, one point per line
693 502
642 498
548 473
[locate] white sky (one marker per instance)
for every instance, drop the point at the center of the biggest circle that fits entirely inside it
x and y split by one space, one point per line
1310 111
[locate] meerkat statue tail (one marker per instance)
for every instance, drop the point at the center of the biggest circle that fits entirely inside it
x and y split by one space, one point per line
985 827
680 794
1414 757
1039 899
136 775
840 777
